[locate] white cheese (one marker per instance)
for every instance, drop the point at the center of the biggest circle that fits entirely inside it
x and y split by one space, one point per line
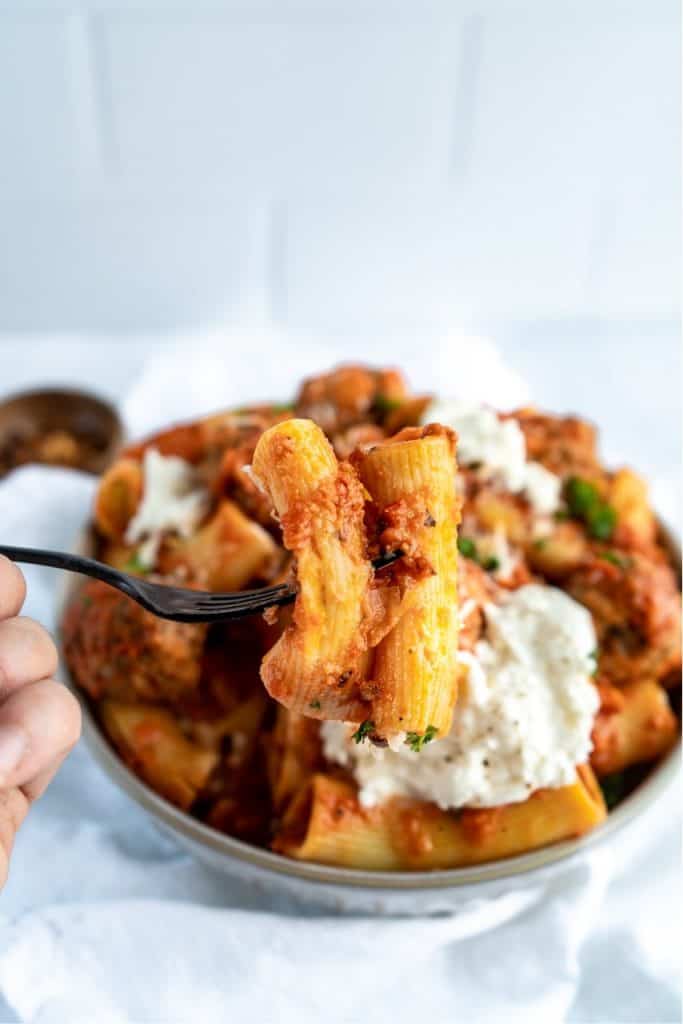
172 502
523 721
542 488
498 446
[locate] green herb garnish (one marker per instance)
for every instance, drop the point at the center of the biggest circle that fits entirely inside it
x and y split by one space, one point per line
363 731
613 789
601 521
581 496
384 404
283 407
595 656
135 564
416 740
586 505
467 548
315 704
621 561
540 543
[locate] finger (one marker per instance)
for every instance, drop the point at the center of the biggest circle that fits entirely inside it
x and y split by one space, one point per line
12 588
27 653
35 788
13 808
38 722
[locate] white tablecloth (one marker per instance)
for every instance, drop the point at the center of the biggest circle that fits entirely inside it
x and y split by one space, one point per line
104 919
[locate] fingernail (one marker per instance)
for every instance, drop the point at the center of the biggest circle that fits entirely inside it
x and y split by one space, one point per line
13 742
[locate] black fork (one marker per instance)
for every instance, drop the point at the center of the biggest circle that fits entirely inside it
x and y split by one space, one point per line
175 603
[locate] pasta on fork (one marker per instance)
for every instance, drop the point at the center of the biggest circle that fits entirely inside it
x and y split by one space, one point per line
411 480
318 663
376 649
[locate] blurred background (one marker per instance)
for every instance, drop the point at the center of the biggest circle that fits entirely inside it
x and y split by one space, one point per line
379 174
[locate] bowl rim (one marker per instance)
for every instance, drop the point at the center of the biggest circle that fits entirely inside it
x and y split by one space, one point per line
173 819
97 398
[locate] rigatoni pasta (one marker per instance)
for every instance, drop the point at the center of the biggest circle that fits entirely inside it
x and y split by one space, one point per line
293 755
377 651
466 691
151 741
225 553
636 723
327 824
317 664
411 480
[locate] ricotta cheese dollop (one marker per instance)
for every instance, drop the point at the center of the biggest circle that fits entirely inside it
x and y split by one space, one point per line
498 446
172 502
523 720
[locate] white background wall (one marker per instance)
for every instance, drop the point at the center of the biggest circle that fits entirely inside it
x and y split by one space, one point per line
340 162
386 171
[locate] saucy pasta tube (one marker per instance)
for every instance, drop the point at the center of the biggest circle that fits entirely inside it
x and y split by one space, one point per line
411 479
326 823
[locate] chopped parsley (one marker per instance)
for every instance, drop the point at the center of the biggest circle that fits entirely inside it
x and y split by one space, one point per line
601 522
613 789
315 704
595 656
135 564
582 496
416 740
364 730
384 404
621 561
467 548
585 504
540 543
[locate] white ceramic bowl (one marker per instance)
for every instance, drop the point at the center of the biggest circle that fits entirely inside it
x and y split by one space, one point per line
346 890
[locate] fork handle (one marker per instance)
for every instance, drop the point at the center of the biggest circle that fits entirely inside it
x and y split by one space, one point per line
72 563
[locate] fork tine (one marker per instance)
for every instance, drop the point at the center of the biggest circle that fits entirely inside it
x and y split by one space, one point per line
256 601
219 614
247 596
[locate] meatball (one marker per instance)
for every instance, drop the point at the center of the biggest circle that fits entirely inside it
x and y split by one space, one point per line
117 649
565 445
636 609
349 395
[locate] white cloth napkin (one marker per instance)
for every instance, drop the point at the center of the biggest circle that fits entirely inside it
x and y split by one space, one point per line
105 920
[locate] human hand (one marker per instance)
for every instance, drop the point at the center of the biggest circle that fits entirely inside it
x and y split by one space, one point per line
40 720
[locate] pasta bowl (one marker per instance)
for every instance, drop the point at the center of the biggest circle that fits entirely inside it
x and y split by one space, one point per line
346 890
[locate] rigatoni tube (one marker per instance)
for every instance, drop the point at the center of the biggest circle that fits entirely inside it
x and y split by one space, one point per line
318 662
411 479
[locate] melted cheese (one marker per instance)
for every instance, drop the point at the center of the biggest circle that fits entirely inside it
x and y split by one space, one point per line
523 721
172 502
498 448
